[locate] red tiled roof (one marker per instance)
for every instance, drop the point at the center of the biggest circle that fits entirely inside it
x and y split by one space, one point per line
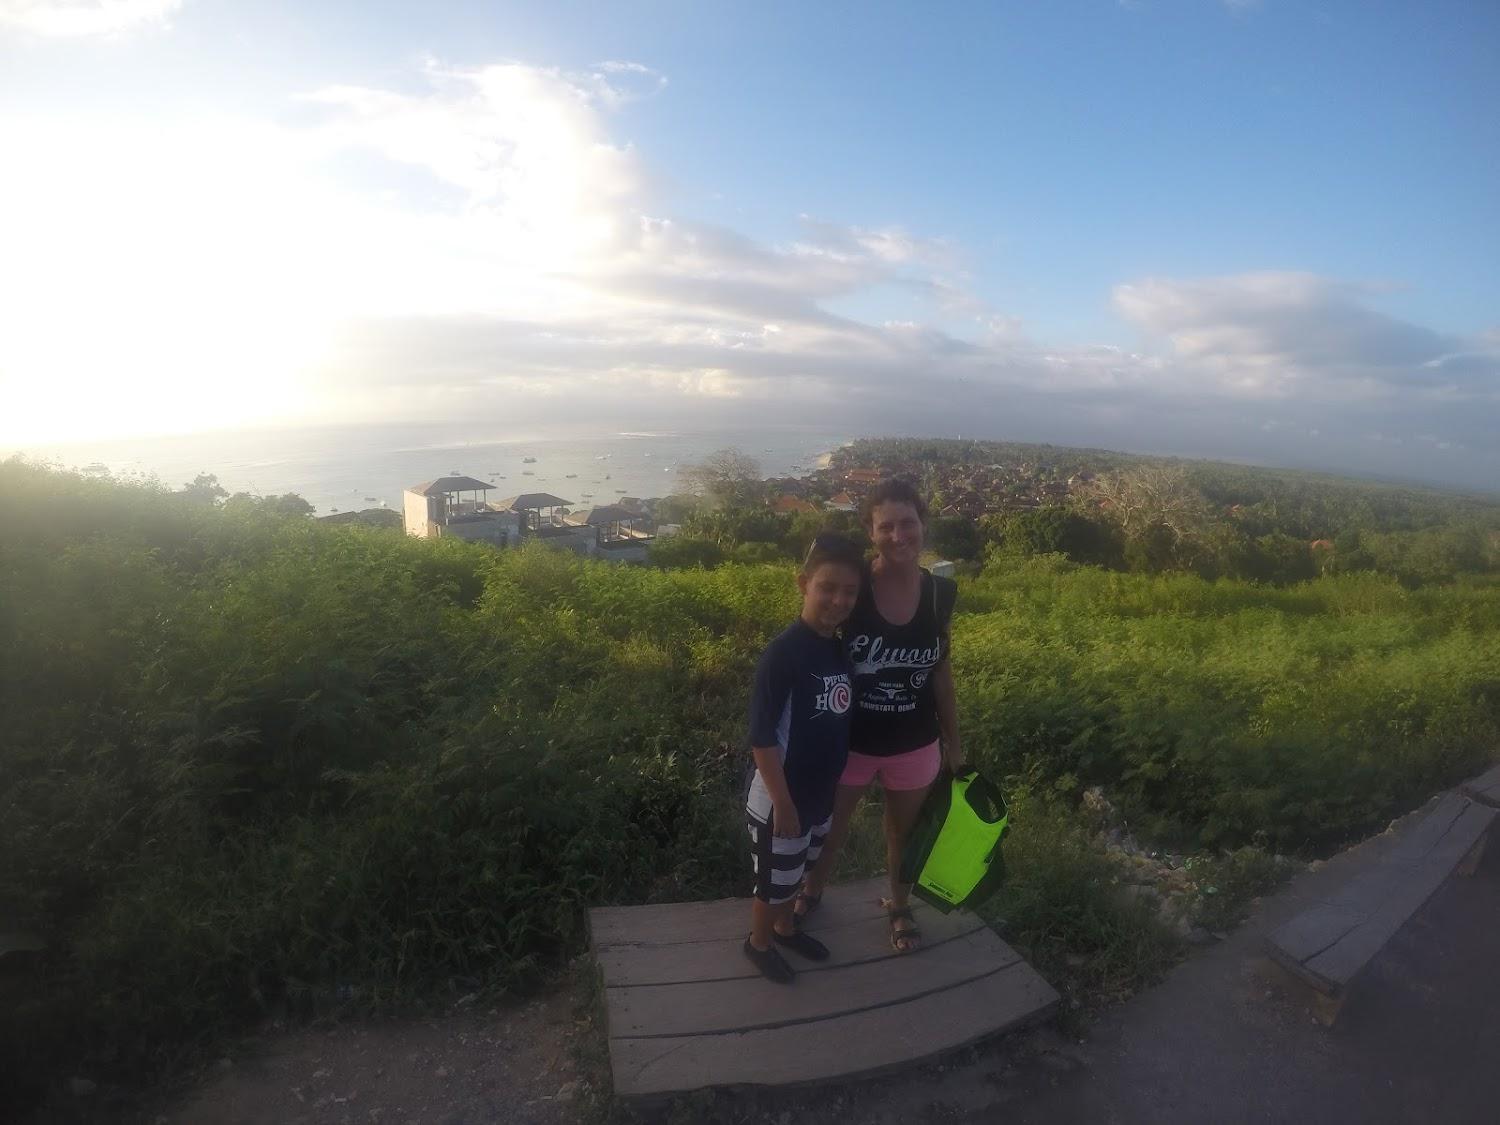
784 504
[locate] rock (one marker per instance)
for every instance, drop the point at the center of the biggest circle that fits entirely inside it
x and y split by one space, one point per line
322 1073
1199 936
1075 960
440 1072
224 1066
81 1087
567 1091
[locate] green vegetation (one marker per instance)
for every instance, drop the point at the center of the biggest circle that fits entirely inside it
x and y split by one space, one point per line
1154 515
1004 502
1224 712
254 763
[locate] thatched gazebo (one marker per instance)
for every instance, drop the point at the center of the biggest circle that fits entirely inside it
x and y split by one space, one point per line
538 511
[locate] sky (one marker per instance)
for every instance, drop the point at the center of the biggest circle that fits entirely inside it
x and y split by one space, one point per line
1262 230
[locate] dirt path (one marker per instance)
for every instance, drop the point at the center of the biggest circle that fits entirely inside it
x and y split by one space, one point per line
544 1063
516 1065
1217 1040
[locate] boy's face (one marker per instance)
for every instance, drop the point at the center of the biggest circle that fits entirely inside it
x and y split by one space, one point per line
828 595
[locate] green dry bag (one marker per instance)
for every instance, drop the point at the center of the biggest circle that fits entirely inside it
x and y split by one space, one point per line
952 857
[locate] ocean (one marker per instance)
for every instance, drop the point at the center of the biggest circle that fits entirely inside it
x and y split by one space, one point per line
350 468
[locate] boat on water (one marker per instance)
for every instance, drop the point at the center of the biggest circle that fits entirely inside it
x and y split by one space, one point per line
96 467
619 492
528 460
527 473
372 499
454 473
569 476
606 476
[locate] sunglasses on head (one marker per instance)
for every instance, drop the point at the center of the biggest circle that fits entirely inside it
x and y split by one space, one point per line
838 546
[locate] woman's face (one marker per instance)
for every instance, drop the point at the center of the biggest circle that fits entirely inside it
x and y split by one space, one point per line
896 531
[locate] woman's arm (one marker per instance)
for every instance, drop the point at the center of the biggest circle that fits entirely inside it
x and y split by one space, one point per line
946 697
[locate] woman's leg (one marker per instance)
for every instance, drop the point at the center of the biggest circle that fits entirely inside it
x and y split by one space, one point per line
908 779
845 800
901 809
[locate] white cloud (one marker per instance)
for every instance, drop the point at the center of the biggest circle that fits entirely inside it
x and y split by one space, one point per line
80 18
486 243
1295 334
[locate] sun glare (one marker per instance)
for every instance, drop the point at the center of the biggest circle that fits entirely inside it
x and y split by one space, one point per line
152 284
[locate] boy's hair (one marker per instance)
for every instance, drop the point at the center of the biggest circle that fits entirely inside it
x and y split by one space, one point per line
892 491
831 547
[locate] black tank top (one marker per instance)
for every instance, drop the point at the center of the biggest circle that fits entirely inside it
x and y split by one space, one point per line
895 707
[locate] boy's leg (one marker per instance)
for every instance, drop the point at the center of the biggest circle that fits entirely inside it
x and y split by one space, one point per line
764 918
780 862
778 873
845 801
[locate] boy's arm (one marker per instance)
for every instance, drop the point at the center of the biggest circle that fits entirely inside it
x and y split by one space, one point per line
784 819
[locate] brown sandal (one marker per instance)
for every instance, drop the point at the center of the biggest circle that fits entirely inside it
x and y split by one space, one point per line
911 935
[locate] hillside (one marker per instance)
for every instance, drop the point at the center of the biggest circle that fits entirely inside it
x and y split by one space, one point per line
256 764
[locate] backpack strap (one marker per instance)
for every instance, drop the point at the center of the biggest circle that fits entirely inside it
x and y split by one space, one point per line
944 597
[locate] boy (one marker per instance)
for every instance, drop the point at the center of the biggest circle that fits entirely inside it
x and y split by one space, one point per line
799 735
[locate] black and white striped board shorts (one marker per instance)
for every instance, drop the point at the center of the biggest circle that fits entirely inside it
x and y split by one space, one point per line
780 861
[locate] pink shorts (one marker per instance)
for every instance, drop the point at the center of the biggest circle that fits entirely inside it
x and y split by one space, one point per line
915 769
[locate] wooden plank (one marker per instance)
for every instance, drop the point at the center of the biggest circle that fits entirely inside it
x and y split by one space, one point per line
1429 832
1471 861
1343 960
1485 787
749 1003
1310 932
837 1048
1467 831
852 943
1329 944
672 922
1364 892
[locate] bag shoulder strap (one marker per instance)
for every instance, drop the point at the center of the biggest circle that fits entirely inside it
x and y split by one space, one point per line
944 597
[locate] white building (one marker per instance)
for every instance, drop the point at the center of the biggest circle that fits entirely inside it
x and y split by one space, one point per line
458 506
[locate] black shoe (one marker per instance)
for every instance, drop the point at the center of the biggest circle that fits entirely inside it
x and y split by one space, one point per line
771 964
803 944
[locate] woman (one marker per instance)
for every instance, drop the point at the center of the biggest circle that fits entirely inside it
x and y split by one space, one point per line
905 719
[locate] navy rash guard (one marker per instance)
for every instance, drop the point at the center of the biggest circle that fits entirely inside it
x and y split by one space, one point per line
801 704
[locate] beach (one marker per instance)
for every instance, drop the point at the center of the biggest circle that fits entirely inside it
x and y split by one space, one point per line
351 468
